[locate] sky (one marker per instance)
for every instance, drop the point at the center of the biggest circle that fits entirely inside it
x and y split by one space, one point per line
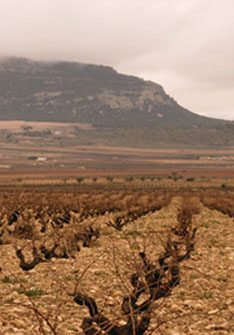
187 46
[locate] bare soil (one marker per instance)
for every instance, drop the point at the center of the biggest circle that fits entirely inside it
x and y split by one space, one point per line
203 303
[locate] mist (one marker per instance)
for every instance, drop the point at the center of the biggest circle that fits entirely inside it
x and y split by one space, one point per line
185 45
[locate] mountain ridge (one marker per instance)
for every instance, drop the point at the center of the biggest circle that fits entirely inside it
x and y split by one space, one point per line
115 104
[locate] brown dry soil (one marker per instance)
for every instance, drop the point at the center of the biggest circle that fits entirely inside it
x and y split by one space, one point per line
203 303
54 148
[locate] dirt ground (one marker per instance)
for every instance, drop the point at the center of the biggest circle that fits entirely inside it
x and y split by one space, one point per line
203 303
28 148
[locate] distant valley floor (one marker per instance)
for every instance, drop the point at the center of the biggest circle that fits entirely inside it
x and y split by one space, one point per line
50 151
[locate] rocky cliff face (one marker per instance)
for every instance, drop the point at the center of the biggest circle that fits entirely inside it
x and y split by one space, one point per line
99 95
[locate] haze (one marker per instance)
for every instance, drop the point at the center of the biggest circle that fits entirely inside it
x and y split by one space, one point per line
185 45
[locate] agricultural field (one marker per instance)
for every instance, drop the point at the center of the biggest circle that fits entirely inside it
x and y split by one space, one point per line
49 147
116 261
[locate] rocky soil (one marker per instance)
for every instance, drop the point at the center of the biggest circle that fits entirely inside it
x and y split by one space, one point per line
203 303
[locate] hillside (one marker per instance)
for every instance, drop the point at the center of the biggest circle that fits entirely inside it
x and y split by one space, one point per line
122 110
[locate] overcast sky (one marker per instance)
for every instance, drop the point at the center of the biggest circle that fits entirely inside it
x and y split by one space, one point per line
185 45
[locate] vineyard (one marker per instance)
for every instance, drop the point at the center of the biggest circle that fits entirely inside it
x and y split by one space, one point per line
116 262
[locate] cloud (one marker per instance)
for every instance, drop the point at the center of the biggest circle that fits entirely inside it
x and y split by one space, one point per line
185 45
